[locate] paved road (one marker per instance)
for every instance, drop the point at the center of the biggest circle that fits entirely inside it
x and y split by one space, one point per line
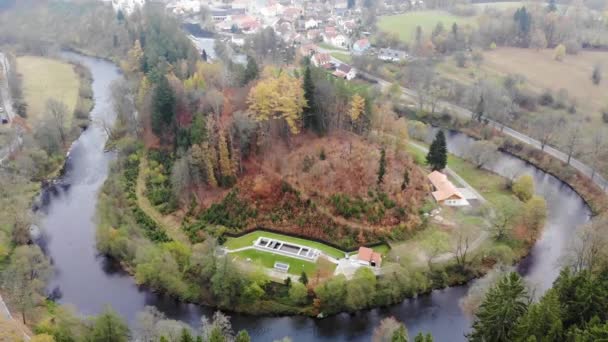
7 103
462 112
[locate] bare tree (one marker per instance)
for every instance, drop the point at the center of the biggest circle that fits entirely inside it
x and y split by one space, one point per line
597 149
572 139
482 152
57 112
545 129
589 250
500 224
461 251
215 100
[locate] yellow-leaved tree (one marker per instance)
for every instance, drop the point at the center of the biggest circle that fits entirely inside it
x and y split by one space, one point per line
278 96
357 106
134 58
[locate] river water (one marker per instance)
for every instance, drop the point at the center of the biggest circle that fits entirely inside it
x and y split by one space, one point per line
90 281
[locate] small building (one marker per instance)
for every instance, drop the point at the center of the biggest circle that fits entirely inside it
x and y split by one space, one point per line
368 257
307 50
321 59
445 192
311 23
361 45
335 39
345 71
392 55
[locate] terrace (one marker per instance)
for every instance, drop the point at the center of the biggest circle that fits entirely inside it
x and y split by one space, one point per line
288 249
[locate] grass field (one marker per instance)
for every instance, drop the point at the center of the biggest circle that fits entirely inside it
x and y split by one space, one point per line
248 239
296 266
405 24
541 72
344 57
44 79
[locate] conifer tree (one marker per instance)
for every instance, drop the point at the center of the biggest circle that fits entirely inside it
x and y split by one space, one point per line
501 309
251 70
437 157
226 169
382 166
311 119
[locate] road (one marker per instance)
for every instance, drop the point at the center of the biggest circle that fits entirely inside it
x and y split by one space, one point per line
7 104
412 95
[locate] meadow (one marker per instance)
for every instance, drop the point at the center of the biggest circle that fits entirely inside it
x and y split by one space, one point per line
44 79
405 24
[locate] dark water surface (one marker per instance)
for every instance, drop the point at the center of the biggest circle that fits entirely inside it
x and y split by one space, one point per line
90 281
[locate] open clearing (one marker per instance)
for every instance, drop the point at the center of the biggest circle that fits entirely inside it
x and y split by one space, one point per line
296 266
44 79
405 24
542 72
248 239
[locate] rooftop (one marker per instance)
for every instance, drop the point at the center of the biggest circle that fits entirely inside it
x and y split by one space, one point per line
444 188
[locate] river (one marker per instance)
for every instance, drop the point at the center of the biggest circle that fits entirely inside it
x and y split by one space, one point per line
90 281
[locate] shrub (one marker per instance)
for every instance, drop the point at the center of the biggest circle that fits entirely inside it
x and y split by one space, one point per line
546 98
523 187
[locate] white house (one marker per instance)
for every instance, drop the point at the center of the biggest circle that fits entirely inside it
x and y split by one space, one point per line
335 39
392 55
127 6
311 23
345 71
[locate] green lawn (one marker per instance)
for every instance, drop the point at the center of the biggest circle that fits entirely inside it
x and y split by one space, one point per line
405 24
248 239
490 185
267 260
344 57
329 46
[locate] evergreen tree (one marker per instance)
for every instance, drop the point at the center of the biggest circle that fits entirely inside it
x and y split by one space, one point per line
226 169
551 7
109 327
304 278
382 166
479 109
437 157
204 55
423 338
503 305
251 71
186 336
406 180
163 106
242 336
311 119
543 320
400 335
351 4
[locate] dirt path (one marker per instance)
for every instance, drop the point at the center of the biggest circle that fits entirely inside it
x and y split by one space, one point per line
168 223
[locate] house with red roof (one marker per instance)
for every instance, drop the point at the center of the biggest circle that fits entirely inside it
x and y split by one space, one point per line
368 257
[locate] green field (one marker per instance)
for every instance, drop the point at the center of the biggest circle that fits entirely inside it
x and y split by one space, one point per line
267 260
44 79
344 57
248 239
405 24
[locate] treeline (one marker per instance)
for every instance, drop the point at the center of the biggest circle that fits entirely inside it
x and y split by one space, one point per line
574 309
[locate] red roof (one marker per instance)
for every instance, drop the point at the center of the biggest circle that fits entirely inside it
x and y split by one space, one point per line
368 254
